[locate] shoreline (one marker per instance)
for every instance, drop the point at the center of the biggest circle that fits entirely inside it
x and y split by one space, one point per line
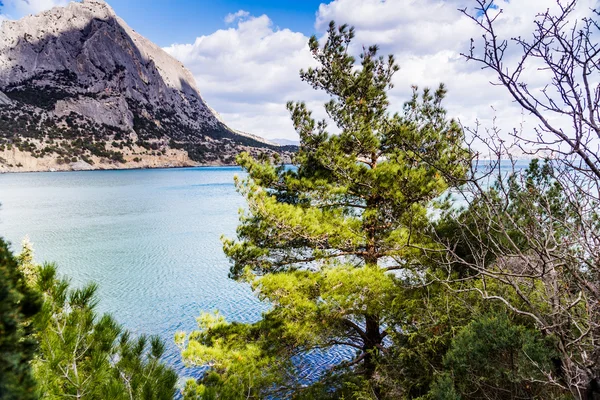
15 160
133 168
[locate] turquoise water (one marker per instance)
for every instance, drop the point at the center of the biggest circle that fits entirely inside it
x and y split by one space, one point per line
149 238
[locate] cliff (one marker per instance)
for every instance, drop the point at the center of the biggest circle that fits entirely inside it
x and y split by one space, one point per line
78 85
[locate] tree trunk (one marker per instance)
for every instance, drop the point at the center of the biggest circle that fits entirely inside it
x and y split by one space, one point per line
371 348
373 337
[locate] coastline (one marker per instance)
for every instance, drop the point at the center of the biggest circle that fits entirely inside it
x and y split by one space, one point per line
122 167
16 161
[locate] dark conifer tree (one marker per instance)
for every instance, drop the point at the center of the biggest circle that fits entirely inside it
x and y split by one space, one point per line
322 242
18 304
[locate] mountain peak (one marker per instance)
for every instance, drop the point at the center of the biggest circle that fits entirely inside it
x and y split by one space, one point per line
99 6
92 2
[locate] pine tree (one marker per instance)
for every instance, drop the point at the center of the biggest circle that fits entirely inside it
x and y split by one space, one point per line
323 242
18 304
84 355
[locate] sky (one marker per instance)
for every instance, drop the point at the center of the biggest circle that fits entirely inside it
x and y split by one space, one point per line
246 54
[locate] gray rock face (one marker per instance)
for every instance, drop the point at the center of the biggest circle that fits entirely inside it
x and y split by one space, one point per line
112 111
83 60
106 57
4 100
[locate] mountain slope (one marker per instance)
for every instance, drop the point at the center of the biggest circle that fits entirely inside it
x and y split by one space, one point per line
80 89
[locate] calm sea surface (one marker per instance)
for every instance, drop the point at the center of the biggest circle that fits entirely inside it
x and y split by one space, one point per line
149 238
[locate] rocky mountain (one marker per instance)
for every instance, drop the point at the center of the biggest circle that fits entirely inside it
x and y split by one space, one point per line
80 89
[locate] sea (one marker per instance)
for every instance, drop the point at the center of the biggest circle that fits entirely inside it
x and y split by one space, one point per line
149 238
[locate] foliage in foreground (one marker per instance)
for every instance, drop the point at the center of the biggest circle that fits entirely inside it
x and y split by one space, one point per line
84 355
18 304
345 249
522 245
327 242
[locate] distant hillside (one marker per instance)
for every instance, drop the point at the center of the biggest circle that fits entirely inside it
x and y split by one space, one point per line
286 142
79 89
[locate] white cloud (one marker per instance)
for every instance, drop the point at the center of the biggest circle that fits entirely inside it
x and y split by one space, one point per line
249 71
241 14
14 9
406 26
427 37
